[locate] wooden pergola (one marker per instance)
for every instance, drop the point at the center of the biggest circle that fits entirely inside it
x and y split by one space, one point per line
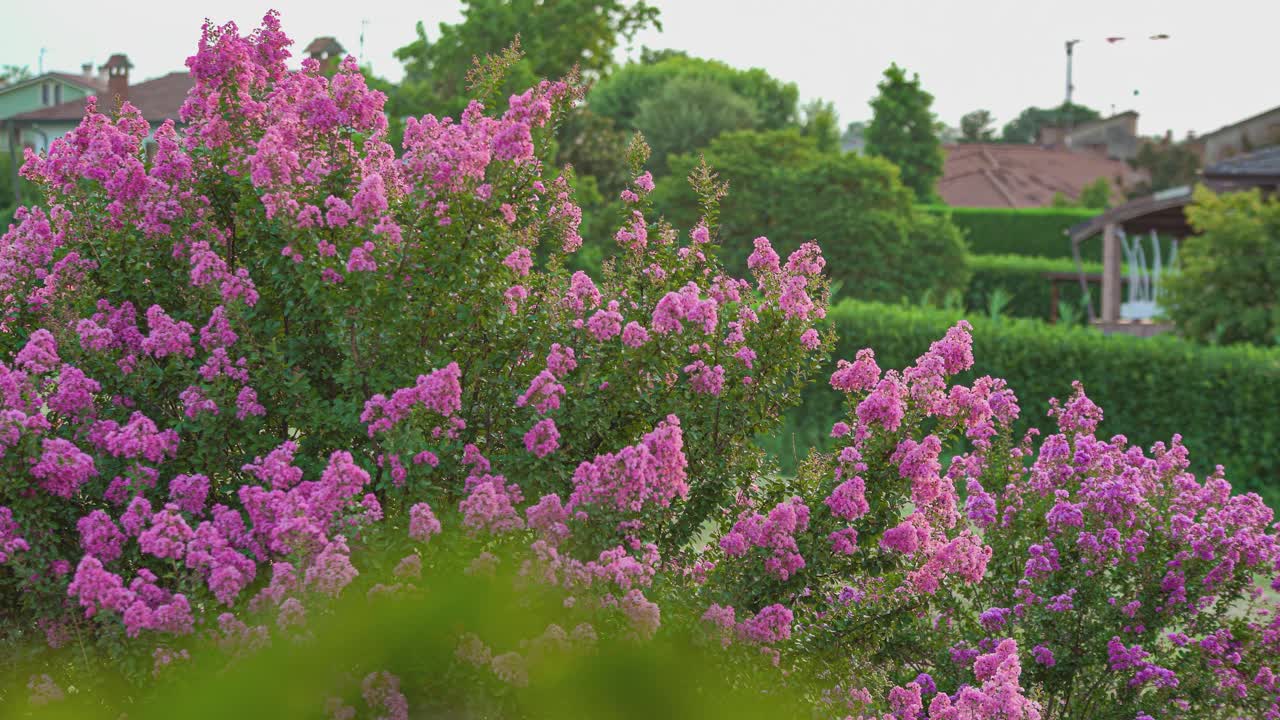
1162 213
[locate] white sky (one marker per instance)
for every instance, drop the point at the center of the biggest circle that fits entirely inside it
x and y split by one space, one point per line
1219 65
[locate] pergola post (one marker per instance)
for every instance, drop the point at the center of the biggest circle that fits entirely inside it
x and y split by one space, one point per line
1111 271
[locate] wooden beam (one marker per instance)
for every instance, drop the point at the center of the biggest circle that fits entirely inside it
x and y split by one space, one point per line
1112 263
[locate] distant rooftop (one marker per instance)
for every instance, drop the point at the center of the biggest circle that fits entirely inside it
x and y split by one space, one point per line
1017 176
158 100
1260 163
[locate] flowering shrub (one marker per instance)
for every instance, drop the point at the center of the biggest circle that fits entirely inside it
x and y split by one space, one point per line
273 375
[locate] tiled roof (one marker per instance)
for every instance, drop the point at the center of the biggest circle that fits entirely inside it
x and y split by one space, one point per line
93 82
159 100
1265 162
1009 175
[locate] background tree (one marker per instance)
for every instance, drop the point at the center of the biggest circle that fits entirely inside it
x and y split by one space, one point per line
976 126
689 112
902 131
784 186
1026 127
822 124
1168 164
621 94
594 145
1227 289
14 73
556 36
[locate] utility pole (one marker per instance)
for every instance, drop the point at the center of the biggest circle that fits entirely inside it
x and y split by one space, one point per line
1071 44
40 64
364 23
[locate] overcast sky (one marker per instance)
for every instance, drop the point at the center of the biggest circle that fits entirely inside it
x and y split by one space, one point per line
1219 65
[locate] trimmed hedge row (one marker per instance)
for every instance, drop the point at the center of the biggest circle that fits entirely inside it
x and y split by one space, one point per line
1222 400
1015 231
1026 290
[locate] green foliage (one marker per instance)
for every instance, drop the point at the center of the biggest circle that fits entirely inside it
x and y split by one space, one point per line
1016 231
690 111
1026 127
822 124
783 186
556 36
976 126
677 674
620 95
1222 400
1094 196
1228 286
26 190
1022 282
594 145
902 131
1169 165
14 73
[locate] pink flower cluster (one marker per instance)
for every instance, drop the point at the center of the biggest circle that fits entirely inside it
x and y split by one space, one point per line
776 533
651 472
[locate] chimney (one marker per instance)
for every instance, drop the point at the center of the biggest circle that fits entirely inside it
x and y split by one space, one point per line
117 71
87 70
327 51
1051 135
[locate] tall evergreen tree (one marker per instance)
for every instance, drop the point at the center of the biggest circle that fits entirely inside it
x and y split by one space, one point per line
902 130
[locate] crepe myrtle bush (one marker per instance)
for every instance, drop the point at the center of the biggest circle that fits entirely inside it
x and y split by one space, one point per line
271 371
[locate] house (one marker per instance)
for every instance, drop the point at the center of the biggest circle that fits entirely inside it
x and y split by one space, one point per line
35 112
158 100
1115 137
46 90
1260 131
1021 176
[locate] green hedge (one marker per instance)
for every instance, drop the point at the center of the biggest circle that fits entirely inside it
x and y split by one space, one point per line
1026 291
1222 400
6 217
1022 231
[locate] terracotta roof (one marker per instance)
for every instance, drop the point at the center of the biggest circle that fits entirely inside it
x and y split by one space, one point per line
1009 175
159 100
93 82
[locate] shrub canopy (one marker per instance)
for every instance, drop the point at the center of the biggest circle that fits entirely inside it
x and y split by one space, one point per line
782 185
1227 288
